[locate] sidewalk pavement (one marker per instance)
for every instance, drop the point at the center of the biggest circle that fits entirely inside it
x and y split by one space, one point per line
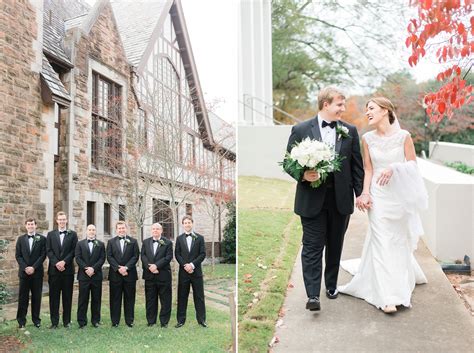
437 322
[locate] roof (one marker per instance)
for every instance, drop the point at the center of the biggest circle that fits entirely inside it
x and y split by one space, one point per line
55 13
55 90
223 132
136 22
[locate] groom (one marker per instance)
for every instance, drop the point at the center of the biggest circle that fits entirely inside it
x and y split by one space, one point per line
325 210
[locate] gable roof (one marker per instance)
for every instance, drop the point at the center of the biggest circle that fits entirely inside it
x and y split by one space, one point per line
137 21
52 88
223 133
55 13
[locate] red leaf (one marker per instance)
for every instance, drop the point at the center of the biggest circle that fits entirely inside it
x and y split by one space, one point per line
408 42
442 107
461 28
465 51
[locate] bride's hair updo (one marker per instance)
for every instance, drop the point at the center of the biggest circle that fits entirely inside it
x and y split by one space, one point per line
384 103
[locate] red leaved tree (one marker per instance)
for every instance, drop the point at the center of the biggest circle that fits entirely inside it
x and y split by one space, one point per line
446 26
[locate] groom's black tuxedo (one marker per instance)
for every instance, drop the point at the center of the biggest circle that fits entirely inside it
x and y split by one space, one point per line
325 210
349 180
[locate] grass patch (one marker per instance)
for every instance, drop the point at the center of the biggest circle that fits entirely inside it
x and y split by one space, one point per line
269 240
190 338
221 271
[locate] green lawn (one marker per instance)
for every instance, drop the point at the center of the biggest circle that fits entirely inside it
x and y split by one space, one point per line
190 338
269 240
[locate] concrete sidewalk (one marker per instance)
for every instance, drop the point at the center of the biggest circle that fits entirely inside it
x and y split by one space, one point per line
437 322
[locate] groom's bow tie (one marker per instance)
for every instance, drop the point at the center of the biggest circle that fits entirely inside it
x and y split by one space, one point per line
332 124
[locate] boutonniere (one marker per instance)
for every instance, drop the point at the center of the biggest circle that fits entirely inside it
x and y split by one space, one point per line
126 240
161 242
194 236
96 243
36 238
342 131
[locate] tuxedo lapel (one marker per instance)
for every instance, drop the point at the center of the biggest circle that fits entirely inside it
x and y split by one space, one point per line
315 129
28 252
86 248
184 243
338 139
117 245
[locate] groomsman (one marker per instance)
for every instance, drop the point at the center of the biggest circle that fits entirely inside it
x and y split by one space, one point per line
90 256
122 255
157 253
60 247
30 253
190 252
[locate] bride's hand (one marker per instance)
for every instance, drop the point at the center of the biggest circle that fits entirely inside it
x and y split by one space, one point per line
384 177
364 202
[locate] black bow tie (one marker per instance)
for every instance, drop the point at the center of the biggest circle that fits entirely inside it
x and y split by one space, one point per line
90 241
188 235
332 124
155 241
121 238
63 232
30 236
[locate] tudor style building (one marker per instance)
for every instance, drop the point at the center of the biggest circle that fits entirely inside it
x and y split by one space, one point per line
83 89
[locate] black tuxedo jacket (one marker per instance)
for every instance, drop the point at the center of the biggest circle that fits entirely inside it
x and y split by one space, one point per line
349 180
162 259
85 259
196 255
57 253
35 258
129 258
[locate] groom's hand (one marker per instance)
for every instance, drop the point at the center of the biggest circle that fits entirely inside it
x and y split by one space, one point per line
311 175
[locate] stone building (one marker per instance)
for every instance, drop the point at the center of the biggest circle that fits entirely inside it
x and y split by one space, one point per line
83 89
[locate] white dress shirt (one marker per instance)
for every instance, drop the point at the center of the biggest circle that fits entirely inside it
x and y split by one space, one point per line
155 246
189 241
61 236
30 241
91 245
328 135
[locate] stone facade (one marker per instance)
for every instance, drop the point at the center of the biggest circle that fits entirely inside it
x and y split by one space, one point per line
45 156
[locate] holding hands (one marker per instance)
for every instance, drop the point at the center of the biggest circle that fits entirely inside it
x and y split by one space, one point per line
363 202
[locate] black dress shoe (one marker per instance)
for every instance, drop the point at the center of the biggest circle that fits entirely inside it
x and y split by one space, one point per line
313 304
21 326
95 325
114 325
332 293
67 325
179 324
203 324
130 325
53 327
82 326
37 325
164 325
151 325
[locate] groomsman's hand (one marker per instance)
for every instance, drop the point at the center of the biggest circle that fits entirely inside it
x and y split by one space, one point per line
60 265
123 271
311 175
90 271
188 268
153 269
29 270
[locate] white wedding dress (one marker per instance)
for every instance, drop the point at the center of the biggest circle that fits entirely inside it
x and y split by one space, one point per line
387 272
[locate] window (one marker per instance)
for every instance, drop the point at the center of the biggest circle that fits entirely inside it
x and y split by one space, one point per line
192 150
162 214
90 212
122 212
189 209
107 218
142 128
106 124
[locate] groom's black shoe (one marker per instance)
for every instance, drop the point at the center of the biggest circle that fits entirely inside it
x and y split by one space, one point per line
332 293
313 304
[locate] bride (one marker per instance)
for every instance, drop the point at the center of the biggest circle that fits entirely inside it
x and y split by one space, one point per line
393 193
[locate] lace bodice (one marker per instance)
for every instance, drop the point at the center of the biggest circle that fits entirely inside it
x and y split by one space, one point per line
385 150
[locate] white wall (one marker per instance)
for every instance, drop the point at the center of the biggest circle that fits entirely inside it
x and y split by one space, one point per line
260 150
449 221
452 152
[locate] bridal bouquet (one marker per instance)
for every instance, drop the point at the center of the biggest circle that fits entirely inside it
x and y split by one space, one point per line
311 155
